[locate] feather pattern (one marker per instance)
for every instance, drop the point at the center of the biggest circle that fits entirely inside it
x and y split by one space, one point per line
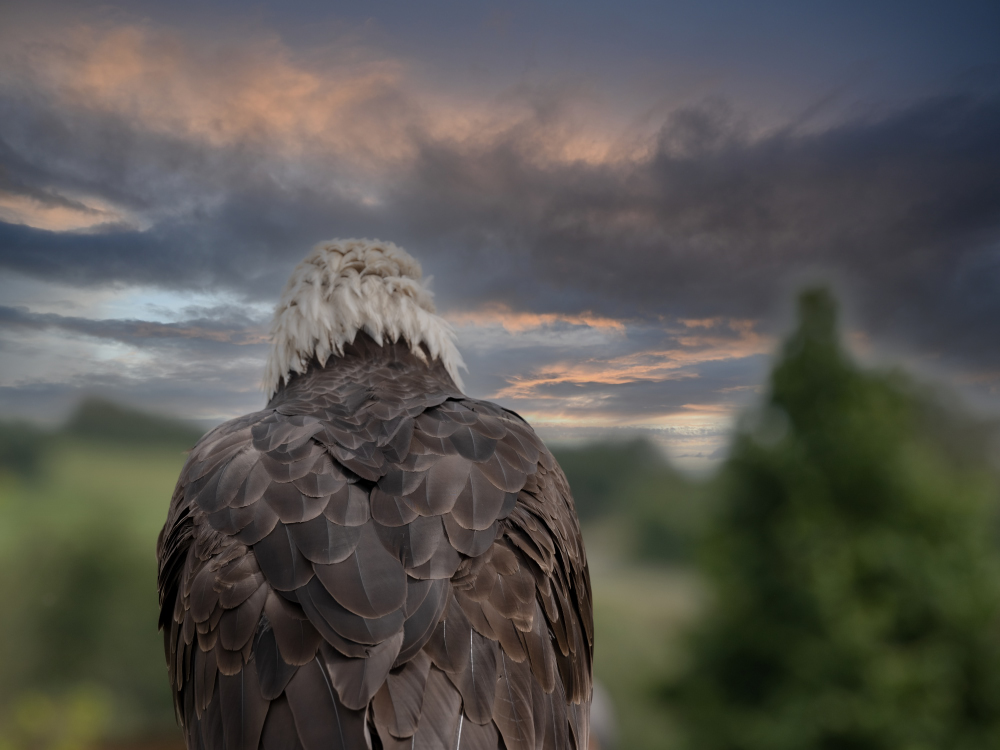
440 714
243 708
322 721
279 731
397 705
375 553
357 679
512 708
273 672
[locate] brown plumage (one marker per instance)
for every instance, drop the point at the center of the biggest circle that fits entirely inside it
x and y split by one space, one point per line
376 560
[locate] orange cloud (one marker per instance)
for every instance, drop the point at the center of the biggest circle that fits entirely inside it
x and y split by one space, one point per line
238 337
648 365
366 107
68 216
518 322
222 93
690 419
645 366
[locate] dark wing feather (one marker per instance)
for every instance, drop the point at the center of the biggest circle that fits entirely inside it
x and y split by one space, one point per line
421 622
273 672
551 724
472 736
440 714
297 638
358 679
370 582
373 540
397 705
279 728
343 624
513 705
322 721
205 673
450 643
243 708
478 679
323 542
280 560
469 542
210 726
237 625
480 503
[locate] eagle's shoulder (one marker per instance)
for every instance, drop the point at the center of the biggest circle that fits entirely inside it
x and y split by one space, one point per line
373 537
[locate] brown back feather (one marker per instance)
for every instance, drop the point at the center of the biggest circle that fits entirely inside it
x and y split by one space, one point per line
376 552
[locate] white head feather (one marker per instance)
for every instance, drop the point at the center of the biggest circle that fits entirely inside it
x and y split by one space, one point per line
346 286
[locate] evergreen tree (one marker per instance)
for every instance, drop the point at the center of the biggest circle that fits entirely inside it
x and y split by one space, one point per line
853 569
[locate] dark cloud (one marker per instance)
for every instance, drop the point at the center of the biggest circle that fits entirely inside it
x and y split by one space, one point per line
903 209
899 209
206 368
237 330
719 222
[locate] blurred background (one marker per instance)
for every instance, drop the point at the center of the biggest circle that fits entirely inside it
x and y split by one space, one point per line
738 263
834 584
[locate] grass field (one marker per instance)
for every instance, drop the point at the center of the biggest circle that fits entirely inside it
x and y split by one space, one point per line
78 631
640 614
78 577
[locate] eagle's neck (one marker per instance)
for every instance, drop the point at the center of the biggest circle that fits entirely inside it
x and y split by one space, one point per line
364 375
344 287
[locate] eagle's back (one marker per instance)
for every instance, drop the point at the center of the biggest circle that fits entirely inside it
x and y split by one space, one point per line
376 560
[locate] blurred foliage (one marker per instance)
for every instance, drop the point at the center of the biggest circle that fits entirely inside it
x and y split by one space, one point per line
20 448
662 510
854 568
640 615
97 419
78 637
641 521
601 474
72 721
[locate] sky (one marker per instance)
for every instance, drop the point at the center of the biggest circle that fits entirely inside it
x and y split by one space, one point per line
616 202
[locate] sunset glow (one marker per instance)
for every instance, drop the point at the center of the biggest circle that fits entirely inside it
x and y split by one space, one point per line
617 212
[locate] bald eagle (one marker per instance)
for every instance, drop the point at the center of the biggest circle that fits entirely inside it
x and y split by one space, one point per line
374 560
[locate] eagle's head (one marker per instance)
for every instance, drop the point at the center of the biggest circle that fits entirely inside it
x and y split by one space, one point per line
346 286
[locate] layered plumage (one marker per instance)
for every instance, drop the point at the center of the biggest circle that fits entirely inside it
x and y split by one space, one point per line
374 560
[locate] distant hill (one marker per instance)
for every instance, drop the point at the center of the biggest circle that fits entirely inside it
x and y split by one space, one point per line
22 444
98 419
633 482
601 474
20 451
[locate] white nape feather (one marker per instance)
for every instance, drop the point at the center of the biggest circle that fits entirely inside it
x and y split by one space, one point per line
346 286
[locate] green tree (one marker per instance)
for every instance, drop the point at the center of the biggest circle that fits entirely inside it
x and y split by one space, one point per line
853 568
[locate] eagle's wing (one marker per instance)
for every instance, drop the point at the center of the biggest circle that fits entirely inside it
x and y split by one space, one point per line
417 555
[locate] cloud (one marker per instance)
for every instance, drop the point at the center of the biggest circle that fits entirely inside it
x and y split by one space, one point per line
520 321
138 331
596 268
656 365
653 374
206 367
